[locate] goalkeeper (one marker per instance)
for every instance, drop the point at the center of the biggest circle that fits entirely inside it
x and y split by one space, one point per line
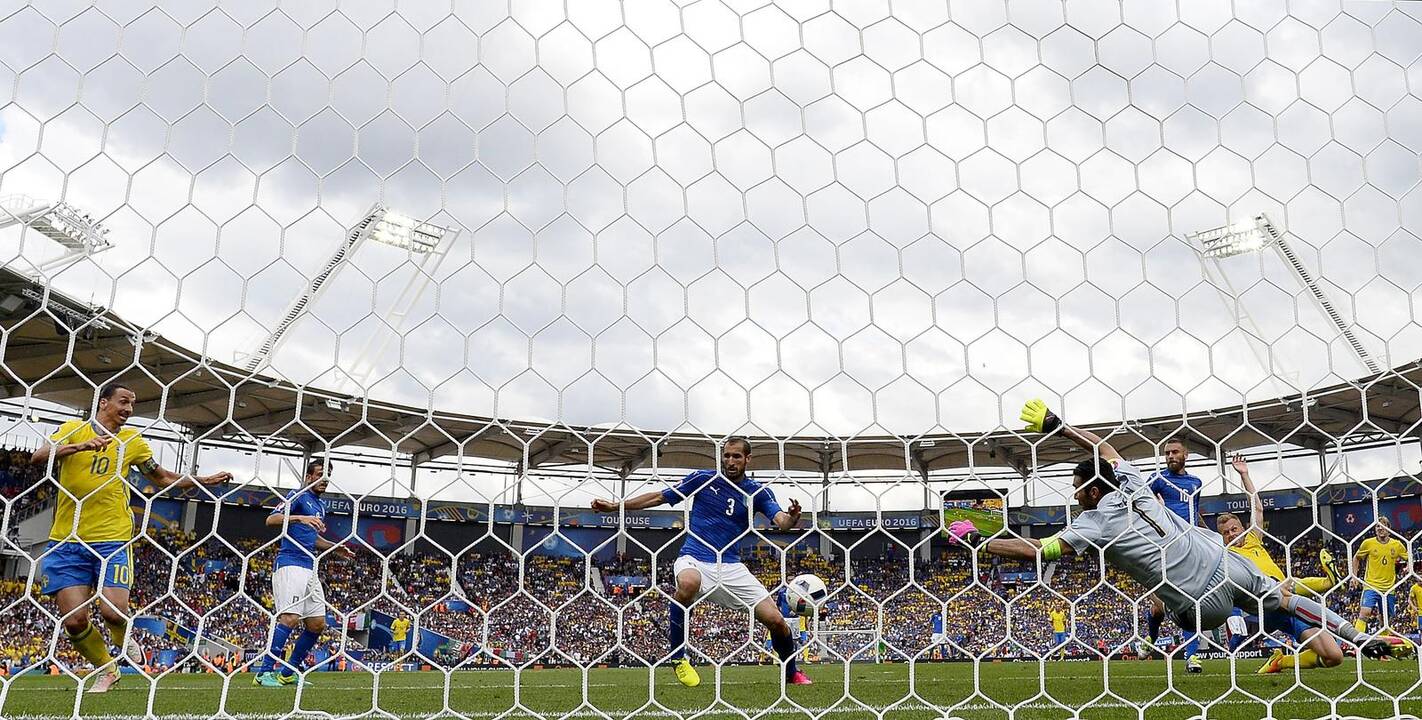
1200 583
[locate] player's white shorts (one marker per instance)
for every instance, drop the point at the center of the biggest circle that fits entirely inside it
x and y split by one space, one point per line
727 584
940 639
297 591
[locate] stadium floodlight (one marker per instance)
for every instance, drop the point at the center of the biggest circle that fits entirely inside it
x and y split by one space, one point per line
1234 239
73 229
404 232
1258 233
386 227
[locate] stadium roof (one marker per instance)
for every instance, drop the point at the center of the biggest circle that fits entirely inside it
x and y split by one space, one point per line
58 349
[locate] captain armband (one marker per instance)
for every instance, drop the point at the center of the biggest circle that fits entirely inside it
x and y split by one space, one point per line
147 467
1051 548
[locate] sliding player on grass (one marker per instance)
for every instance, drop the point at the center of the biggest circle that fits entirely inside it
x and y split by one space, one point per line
1198 581
1249 544
722 505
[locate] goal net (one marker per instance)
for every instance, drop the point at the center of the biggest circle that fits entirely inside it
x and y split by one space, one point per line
446 293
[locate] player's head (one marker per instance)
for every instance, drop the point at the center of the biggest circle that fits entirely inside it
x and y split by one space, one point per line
735 456
115 404
1229 526
1176 450
1382 528
316 479
1093 479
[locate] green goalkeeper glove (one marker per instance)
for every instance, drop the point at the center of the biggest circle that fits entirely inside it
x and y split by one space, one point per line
1039 418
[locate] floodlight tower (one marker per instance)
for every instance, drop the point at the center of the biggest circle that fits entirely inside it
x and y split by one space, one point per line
79 234
428 241
1257 233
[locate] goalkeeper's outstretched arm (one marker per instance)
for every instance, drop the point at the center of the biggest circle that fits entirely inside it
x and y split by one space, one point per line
1040 418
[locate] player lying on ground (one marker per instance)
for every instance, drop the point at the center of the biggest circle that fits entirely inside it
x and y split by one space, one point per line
296 588
93 525
722 506
1198 581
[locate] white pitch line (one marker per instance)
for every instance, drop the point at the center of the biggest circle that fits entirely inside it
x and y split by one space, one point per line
841 708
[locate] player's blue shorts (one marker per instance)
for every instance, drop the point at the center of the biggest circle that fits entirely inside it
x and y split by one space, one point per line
1374 599
68 564
1060 638
1280 621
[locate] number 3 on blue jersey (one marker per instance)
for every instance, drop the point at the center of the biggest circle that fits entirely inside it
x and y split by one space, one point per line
730 507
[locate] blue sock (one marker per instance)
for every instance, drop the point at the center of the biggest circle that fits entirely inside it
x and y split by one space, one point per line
304 642
274 651
1192 644
676 630
1154 623
1235 641
785 648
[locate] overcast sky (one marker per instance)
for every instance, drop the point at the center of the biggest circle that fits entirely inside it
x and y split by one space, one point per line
877 218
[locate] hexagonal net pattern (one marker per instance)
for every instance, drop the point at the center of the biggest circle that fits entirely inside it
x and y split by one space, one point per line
430 346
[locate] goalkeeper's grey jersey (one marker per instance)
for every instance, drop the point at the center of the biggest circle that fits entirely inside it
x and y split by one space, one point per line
1139 535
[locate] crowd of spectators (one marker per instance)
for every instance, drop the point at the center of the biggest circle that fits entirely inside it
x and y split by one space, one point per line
497 608
20 485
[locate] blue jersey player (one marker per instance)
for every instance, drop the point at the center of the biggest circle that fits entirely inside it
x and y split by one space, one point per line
296 590
1179 492
722 506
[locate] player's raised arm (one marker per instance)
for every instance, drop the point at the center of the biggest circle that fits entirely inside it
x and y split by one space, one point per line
1041 419
1256 507
965 532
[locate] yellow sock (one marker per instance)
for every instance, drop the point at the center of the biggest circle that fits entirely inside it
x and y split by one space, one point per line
1304 660
1361 625
117 630
91 645
1318 585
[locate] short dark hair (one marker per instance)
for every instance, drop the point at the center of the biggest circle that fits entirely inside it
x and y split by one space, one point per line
1099 472
745 444
1178 440
107 391
315 463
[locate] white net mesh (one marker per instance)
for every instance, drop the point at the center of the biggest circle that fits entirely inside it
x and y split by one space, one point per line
495 261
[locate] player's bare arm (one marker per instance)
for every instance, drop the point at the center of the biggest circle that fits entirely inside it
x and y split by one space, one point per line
163 478
636 502
309 520
788 518
1256 508
64 450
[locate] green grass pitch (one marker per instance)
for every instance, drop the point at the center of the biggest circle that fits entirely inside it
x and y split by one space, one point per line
1017 690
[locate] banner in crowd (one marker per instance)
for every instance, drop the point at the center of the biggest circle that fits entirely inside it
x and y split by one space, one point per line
570 542
1356 519
913 520
379 533
165 628
163 513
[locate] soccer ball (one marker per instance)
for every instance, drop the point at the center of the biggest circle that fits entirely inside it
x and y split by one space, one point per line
805 593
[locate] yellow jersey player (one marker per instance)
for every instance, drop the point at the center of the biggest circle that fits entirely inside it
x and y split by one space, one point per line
1059 631
1249 544
1382 553
1414 600
88 542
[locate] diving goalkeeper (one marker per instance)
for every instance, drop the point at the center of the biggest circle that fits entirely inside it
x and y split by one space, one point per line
1199 582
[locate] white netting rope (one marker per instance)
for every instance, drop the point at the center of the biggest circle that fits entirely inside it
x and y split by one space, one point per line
498 261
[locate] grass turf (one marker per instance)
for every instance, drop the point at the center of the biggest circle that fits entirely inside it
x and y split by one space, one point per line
1029 690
